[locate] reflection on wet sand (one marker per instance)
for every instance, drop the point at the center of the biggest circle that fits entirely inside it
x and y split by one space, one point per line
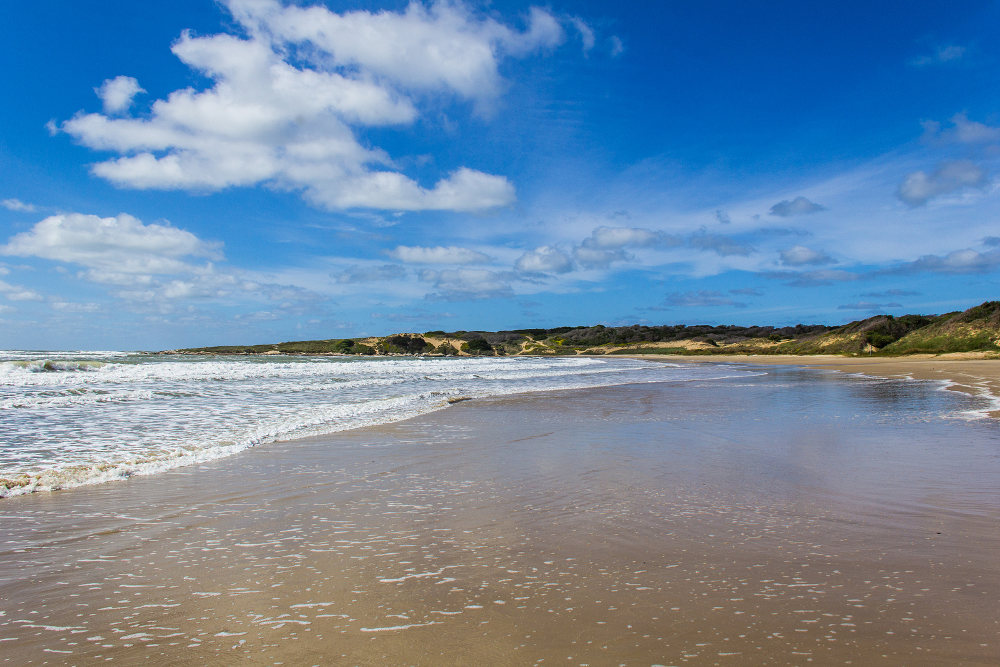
781 519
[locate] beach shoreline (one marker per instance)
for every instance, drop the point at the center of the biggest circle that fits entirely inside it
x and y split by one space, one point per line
976 374
662 522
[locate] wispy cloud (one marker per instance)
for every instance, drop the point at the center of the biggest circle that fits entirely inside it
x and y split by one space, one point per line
438 255
948 53
719 243
370 274
869 306
17 205
702 298
812 278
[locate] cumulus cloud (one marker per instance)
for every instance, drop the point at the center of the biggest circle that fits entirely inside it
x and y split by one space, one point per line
595 258
286 102
920 187
798 206
438 255
119 245
611 238
962 131
441 47
607 244
545 259
17 205
958 261
702 298
147 262
117 94
800 255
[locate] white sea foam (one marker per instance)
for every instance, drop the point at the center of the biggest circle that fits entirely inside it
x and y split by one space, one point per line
74 418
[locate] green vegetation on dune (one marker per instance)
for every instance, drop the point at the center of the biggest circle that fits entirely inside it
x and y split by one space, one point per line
974 330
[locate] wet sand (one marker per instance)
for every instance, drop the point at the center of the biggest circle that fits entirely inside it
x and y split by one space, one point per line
972 373
643 524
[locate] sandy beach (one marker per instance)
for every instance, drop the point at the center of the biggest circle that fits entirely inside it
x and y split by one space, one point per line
666 523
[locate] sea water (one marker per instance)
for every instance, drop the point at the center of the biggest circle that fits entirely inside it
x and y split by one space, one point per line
74 418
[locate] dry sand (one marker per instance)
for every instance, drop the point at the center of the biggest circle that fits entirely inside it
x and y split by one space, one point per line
642 524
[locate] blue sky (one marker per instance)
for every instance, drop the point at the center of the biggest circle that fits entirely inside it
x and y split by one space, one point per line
197 173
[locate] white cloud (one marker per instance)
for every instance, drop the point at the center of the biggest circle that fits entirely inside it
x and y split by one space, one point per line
595 258
440 47
813 278
702 298
17 205
285 104
461 284
371 274
963 131
122 245
70 307
617 47
798 206
545 259
622 237
958 261
919 187
438 255
145 262
18 293
800 255
586 33
606 245
722 245
869 306
117 93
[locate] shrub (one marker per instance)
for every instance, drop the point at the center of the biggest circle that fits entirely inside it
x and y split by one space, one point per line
406 345
477 346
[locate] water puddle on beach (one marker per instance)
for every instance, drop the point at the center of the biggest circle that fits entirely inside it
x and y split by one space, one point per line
786 518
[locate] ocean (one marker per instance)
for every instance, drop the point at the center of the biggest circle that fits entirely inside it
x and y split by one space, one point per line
75 418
